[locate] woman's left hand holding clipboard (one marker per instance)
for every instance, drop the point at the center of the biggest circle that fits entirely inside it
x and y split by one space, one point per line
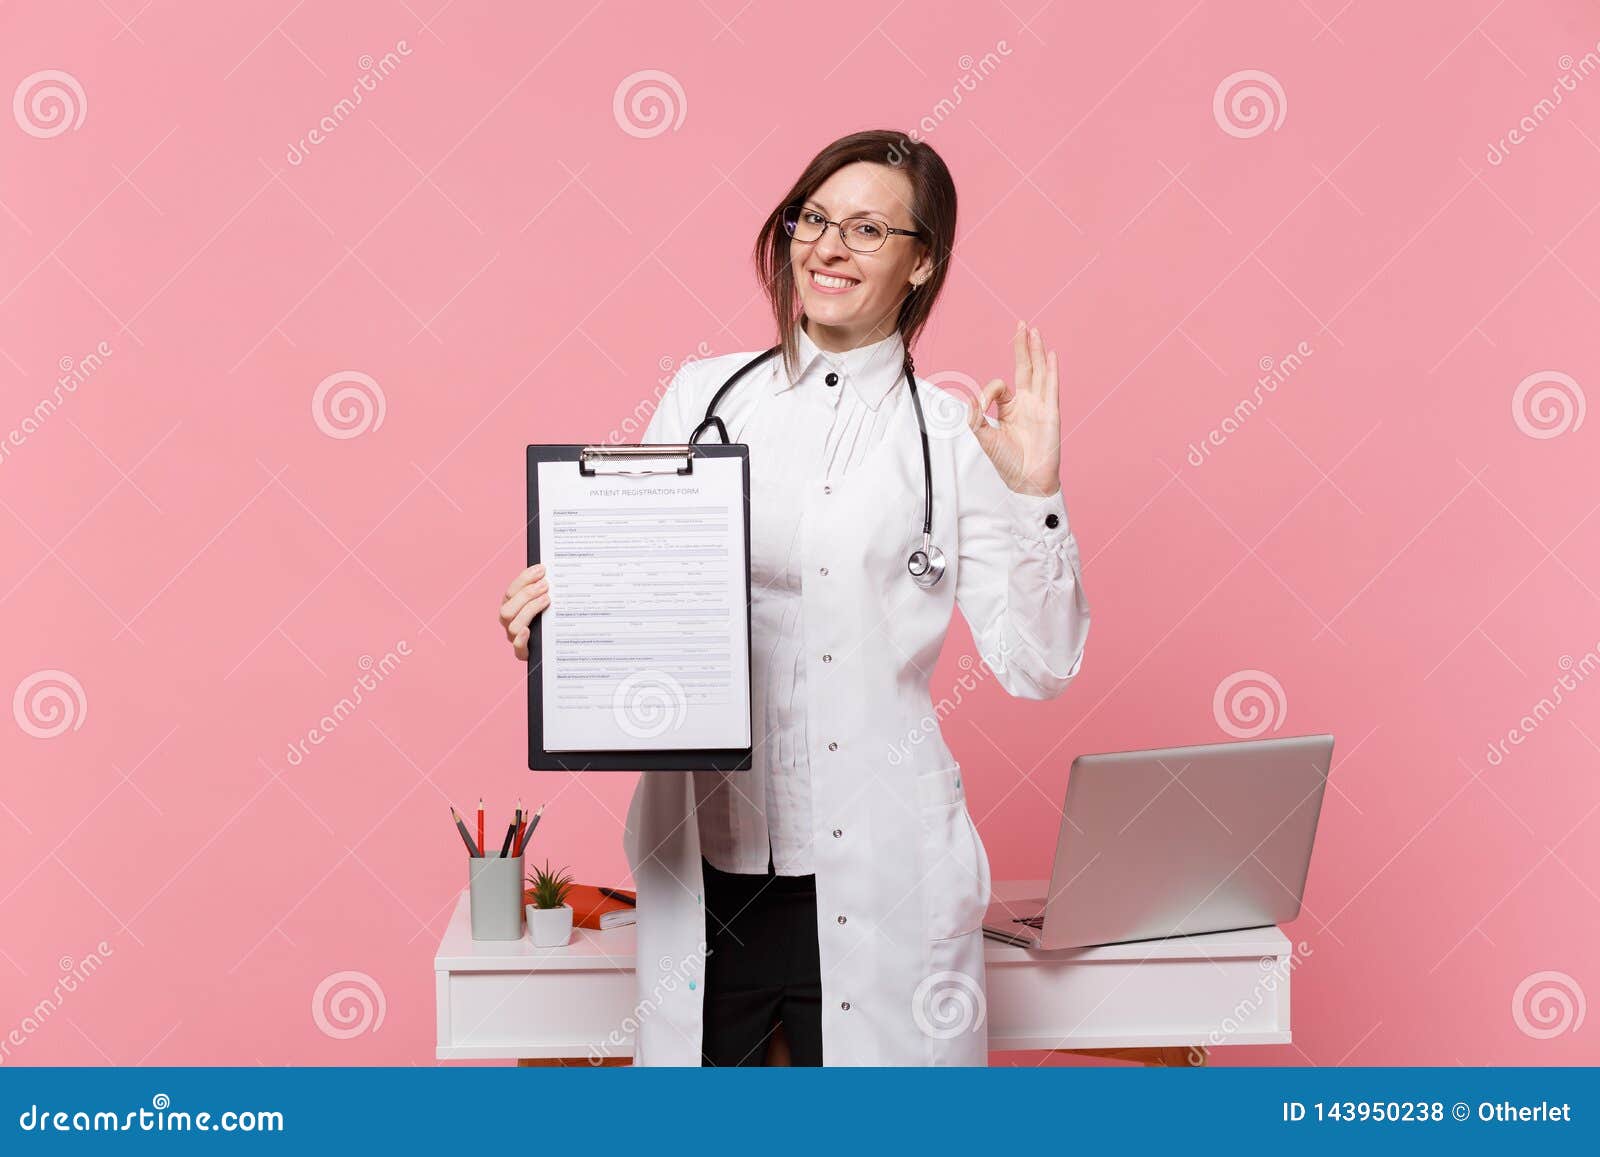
527 596
1026 445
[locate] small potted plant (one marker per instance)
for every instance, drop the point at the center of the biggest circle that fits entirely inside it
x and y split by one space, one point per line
549 914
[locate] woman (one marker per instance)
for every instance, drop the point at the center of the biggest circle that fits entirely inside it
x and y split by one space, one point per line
838 887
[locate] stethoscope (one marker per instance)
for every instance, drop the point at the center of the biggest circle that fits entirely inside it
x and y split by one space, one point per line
926 565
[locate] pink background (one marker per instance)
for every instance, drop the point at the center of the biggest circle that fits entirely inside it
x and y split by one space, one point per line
1385 538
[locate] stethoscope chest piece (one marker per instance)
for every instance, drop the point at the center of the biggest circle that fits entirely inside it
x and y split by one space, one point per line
926 564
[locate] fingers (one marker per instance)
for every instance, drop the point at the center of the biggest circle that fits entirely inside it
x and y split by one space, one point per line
533 572
1036 367
996 391
976 420
527 596
1036 359
518 627
1052 377
510 608
1033 363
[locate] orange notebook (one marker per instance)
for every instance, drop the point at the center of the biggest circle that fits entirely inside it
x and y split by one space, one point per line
588 904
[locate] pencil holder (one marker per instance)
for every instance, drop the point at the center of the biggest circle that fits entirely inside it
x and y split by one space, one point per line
495 890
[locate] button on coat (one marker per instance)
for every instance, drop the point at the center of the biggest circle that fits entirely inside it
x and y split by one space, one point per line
914 876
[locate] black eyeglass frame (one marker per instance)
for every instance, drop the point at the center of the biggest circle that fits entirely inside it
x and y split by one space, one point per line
791 218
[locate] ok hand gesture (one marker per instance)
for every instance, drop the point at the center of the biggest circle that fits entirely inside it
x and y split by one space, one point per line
1026 446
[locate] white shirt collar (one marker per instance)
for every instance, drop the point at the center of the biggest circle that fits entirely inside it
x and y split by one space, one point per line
870 370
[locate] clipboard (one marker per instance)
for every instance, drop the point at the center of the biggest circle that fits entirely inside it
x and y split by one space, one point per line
619 464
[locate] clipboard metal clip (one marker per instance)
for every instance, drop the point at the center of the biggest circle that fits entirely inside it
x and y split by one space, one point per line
635 460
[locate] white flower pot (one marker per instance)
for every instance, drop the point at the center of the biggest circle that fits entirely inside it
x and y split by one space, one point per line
550 927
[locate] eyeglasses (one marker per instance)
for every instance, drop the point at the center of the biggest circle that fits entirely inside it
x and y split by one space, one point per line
860 234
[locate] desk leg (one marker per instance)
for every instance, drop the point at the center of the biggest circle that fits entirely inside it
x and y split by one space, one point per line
1176 1056
572 1062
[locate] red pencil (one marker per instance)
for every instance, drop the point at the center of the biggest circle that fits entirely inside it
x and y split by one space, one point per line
480 823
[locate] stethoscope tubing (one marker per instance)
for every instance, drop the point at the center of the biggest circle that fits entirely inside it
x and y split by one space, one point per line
926 565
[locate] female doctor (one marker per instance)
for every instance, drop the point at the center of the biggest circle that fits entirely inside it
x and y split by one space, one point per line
838 887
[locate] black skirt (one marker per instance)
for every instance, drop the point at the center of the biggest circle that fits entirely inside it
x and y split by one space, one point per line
763 967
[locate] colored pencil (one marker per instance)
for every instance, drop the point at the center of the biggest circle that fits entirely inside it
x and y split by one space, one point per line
481 844
527 833
505 847
466 837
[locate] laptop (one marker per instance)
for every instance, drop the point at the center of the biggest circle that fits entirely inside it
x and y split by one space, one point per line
1176 841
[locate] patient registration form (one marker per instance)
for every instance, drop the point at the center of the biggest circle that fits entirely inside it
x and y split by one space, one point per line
645 644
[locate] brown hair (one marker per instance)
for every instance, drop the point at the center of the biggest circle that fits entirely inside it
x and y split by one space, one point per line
933 209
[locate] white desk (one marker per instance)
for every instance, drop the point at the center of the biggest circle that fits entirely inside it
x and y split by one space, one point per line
508 999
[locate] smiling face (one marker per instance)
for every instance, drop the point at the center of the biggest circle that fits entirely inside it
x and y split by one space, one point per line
850 298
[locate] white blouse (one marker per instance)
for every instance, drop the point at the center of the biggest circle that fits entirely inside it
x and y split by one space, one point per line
815 428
